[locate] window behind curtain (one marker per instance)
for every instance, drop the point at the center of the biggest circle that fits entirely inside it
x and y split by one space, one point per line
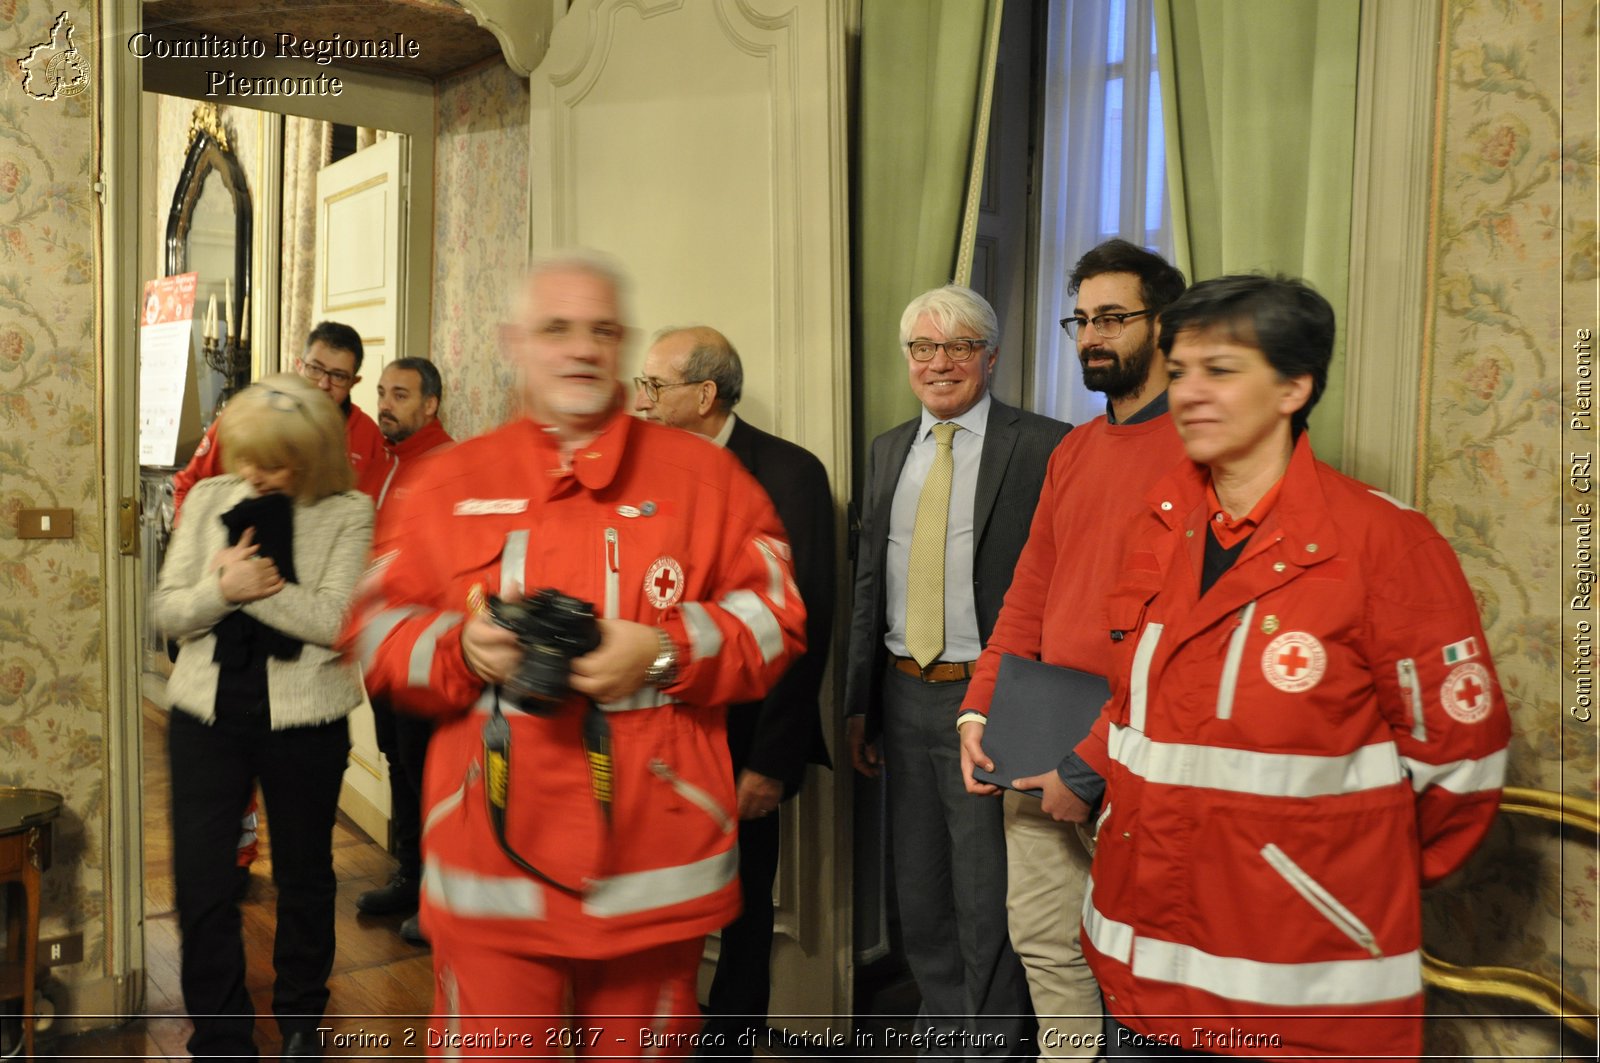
1103 170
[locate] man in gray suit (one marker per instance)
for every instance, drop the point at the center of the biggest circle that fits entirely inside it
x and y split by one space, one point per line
949 497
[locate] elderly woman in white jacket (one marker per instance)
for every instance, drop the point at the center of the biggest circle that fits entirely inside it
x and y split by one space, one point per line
255 588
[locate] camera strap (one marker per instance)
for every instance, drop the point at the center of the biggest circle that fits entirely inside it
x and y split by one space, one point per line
497 784
497 777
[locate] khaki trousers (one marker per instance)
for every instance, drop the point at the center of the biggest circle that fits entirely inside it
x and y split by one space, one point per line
1047 872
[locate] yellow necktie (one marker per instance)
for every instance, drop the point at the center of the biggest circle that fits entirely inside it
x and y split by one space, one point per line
925 574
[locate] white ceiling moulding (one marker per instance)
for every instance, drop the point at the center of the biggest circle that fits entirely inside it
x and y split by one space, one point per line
521 26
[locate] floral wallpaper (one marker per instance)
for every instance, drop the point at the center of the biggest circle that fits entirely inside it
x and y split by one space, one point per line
480 241
1513 246
52 659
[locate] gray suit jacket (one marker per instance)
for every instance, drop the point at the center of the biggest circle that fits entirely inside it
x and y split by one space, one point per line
1016 451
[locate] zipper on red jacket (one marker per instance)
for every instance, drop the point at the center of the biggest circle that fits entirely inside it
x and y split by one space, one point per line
1230 664
613 567
451 801
1406 670
1100 819
693 794
1319 898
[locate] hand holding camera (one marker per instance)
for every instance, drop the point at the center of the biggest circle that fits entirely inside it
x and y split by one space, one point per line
549 645
551 629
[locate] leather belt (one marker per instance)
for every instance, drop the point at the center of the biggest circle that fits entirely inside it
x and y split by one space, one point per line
938 671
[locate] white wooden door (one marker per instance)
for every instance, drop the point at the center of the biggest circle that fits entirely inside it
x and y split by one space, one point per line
702 142
361 207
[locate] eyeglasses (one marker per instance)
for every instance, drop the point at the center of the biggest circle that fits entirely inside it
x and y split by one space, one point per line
955 350
1108 325
653 388
315 371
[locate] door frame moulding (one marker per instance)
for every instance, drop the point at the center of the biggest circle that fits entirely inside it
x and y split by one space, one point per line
1389 261
120 990
404 105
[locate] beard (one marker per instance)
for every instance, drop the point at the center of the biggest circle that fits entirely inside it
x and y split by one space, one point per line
393 430
1124 376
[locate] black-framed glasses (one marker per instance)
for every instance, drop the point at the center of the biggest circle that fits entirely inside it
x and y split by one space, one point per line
1108 325
958 350
314 371
653 388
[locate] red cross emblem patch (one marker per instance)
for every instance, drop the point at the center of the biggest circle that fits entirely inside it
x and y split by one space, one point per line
1466 693
1294 661
663 582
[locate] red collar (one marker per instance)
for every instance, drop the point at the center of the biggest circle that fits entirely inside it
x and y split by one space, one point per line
1300 519
594 465
1231 531
429 437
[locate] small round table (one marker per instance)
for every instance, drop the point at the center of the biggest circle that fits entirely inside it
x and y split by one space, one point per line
25 817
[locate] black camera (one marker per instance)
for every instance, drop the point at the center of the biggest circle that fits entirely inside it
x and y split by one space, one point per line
553 628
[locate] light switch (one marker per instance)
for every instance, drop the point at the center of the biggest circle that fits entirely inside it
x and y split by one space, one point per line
44 524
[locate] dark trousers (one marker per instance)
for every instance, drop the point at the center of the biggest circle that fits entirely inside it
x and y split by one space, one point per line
213 769
403 739
742 984
949 852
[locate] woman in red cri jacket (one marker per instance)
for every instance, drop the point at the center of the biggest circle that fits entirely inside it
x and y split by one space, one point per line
1305 726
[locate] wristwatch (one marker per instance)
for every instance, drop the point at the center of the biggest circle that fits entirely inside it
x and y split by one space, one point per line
663 671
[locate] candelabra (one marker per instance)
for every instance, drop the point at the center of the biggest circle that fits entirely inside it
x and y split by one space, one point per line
229 356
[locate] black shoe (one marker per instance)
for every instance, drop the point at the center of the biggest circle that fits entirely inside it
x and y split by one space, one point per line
411 932
400 895
302 1044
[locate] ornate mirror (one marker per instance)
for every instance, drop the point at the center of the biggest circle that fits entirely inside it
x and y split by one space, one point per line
208 233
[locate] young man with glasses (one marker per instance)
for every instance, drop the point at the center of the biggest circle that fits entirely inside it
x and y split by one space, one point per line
945 511
1053 612
332 362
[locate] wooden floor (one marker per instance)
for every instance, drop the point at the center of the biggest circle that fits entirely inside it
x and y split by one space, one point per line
380 985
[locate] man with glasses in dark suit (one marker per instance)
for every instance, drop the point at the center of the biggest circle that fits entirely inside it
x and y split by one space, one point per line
946 508
692 380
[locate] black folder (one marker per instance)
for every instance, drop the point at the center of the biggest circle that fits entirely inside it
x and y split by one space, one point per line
1039 712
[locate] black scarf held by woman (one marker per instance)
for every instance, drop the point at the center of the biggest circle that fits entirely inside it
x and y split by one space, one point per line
242 640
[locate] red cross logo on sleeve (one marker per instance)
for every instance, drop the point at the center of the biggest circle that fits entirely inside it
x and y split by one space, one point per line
1466 693
1294 661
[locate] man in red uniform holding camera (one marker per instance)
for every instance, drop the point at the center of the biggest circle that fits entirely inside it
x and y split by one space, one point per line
574 858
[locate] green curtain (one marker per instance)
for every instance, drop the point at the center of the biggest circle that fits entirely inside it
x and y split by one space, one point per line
920 75
1260 122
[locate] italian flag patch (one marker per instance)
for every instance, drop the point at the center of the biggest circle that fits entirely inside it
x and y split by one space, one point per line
1456 652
